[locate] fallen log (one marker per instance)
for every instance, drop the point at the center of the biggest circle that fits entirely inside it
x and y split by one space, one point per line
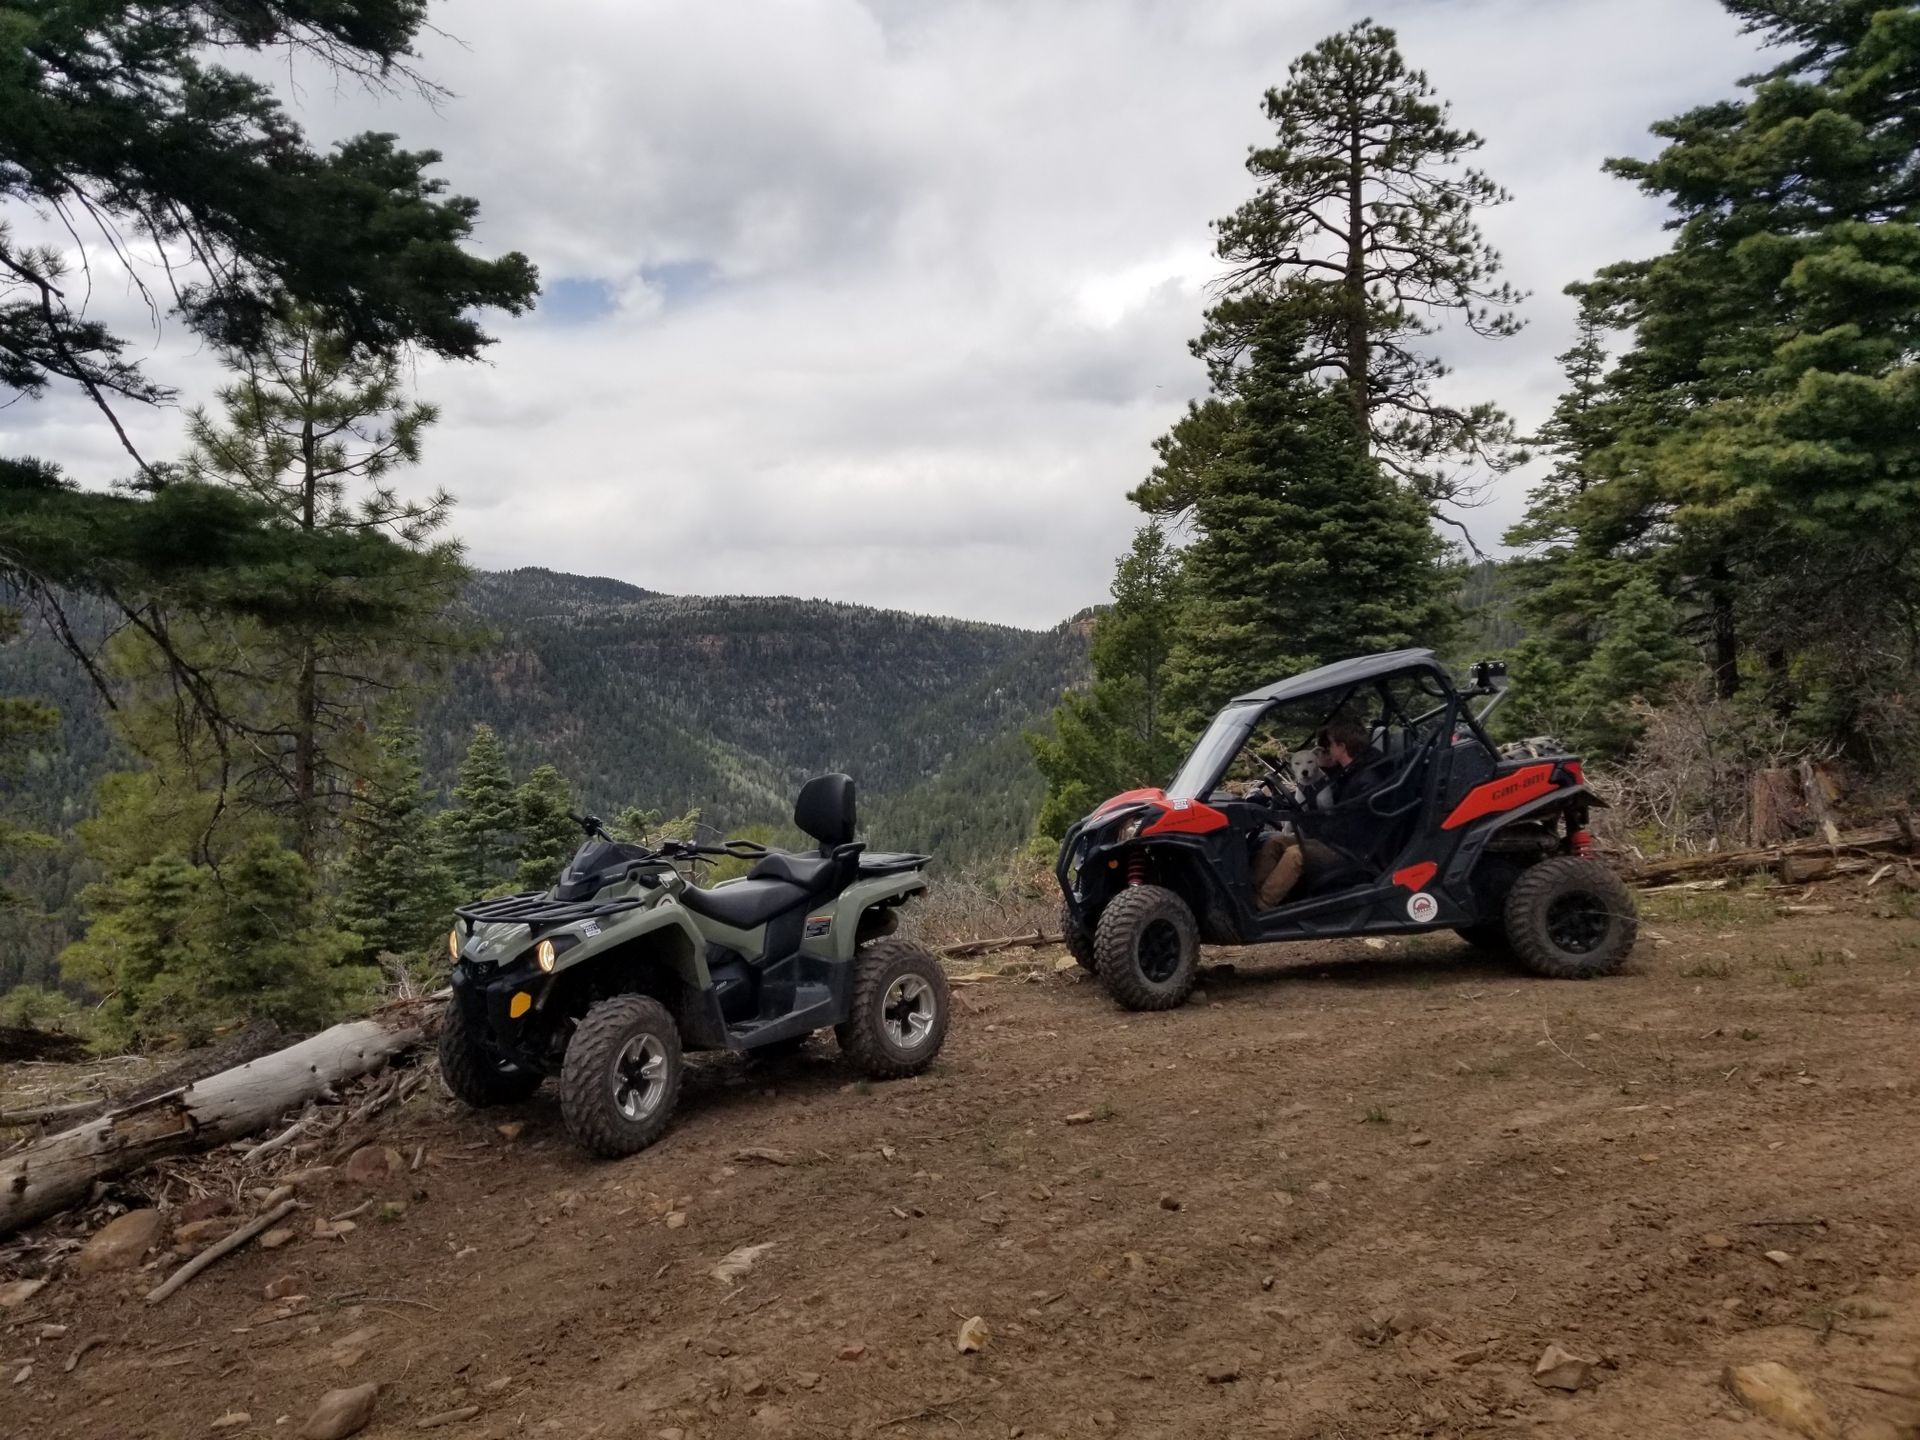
1666 868
1031 941
47 1176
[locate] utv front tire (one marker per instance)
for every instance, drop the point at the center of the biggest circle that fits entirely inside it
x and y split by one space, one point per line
1571 918
474 1074
621 1079
1078 940
898 1019
1147 948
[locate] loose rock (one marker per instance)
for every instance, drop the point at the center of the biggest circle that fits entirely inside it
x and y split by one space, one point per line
341 1413
1775 1393
852 1352
18 1292
1169 1202
232 1420
974 1335
374 1165
123 1243
447 1417
1779 1257
511 1130
1080 1117
195 1231
675 1219
275 1238
1560 1369
281 1288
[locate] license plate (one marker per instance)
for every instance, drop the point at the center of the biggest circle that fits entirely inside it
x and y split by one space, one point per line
590 927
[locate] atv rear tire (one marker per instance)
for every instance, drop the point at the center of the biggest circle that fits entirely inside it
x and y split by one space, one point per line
1078 940
1147 948
1488 935
474 1074
621 1078
898 1020
1571 918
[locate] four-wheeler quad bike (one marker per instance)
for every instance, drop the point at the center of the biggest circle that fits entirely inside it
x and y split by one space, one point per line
1442 830
604 980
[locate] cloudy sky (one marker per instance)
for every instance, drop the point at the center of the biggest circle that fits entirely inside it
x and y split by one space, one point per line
884 300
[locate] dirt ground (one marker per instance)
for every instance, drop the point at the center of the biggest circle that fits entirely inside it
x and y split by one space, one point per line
1354 1190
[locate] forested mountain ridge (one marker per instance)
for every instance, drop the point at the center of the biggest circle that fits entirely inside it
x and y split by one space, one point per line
675 702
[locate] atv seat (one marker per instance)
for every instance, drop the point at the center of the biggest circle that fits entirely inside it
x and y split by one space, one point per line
824 811
744 904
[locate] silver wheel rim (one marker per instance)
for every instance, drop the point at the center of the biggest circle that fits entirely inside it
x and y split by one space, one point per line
640 1076
907 1011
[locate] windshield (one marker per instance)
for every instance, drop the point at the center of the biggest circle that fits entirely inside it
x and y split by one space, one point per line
1229 729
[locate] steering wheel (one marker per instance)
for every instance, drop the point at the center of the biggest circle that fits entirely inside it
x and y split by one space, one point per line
1281 786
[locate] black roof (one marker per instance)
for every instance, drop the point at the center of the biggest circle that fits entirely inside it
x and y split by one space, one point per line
1341 673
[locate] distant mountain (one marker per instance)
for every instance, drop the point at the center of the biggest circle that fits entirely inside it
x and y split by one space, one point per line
721 703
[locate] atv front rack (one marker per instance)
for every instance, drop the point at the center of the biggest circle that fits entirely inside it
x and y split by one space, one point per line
535 911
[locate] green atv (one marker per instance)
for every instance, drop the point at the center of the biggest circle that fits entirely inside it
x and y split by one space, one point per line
608 978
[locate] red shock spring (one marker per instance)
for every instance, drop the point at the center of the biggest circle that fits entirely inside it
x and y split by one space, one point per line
1136 869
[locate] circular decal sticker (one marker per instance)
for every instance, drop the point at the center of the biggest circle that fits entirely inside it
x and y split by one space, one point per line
1423 908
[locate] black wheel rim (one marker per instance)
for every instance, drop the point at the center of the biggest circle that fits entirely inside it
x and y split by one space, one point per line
1159 951
1577 923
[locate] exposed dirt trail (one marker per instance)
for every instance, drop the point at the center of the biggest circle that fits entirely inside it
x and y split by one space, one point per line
1351 1192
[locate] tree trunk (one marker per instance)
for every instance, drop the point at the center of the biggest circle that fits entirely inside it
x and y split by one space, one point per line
1358 351
306 717
1726 649
51 1174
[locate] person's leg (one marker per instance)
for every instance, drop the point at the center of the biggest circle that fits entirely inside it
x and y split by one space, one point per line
1277 870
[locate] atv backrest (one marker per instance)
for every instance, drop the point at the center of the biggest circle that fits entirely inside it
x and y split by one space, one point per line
825 810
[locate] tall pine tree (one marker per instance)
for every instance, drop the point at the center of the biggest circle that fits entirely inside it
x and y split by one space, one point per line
1306 551
314 431
1362 229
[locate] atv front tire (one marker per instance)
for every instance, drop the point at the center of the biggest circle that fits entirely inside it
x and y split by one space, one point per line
898 1020
1147 948
474 1074
1078 940
621 1078
1571 918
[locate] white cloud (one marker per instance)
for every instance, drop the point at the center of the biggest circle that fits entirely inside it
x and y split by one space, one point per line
897 294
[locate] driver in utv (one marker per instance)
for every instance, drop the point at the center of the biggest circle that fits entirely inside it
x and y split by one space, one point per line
1353 770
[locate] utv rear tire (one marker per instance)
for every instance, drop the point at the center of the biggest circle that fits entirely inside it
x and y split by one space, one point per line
898 1019
1147 948
1571 918
621 1079
1078 940
474 1074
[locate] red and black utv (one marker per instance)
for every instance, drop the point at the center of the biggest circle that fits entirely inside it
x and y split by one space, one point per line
1431 827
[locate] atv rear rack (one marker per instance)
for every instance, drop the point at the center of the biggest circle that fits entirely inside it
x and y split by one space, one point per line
535 911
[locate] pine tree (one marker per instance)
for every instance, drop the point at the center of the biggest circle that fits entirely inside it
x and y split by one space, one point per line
396 889
1306 551
1118 735
1759 456
314 430
548 832
478 831
1362 227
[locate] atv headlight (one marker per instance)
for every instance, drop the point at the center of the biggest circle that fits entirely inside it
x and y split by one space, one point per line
1131 830
545 953
453 942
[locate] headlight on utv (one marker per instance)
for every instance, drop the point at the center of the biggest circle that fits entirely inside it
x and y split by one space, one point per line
545 954
1131 830
453 943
